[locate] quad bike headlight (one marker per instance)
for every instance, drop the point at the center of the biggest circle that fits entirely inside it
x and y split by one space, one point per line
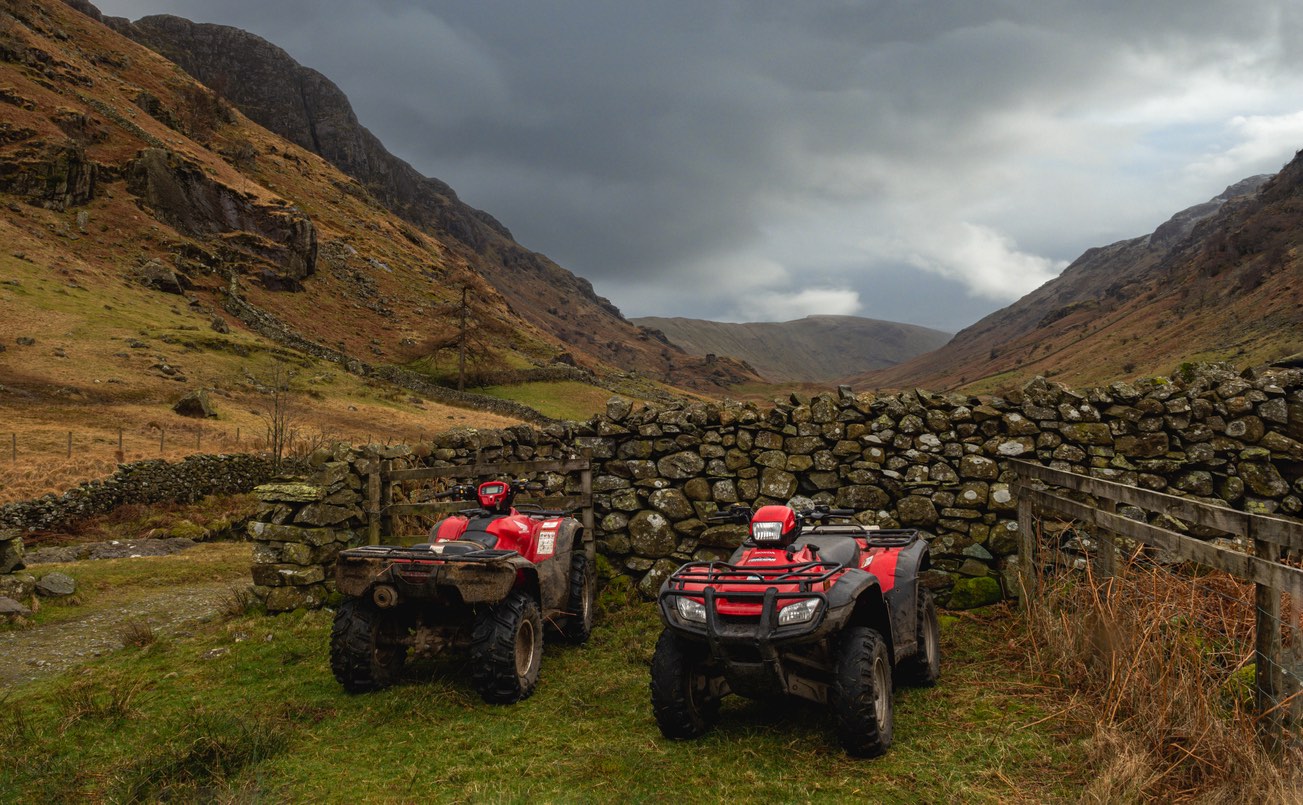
767 532
690 610
799 612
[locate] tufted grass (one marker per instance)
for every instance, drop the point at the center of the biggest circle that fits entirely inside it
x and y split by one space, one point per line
246 709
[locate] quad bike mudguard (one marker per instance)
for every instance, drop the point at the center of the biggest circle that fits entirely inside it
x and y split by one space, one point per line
475 577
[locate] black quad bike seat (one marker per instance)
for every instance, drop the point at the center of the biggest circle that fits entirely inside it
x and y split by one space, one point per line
832 548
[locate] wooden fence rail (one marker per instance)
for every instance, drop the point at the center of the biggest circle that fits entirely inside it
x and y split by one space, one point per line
380 481
1270 537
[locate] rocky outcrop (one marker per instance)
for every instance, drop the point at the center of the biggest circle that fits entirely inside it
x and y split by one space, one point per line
181 193
53 176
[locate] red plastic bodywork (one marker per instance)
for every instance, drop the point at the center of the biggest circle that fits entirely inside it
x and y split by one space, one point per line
777 514
532 538
767 562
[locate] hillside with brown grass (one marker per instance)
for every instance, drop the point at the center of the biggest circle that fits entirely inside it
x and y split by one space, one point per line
140 212
1222 281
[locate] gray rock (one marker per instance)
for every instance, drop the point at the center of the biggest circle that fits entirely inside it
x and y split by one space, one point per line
56 585
9 608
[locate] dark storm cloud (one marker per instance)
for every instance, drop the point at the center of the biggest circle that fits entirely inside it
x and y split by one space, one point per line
926 161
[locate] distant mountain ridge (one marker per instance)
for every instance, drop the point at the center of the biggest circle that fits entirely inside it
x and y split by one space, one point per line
812 349
1222 280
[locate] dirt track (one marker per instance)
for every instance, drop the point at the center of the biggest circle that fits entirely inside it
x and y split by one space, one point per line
40 651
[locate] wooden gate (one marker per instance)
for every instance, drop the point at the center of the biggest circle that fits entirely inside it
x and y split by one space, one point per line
380 484
1270 537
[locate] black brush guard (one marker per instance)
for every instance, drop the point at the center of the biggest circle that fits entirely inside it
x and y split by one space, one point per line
747 647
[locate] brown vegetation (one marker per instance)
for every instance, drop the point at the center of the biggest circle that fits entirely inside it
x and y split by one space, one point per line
1157 668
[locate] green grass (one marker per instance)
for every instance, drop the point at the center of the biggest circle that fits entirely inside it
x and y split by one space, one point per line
566 399
246 709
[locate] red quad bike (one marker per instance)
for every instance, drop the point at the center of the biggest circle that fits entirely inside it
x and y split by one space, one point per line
807 608
489 579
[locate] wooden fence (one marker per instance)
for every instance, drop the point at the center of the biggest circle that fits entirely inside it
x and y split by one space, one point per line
1270 537
380 483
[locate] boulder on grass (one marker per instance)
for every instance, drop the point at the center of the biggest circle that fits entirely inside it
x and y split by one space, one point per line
196 405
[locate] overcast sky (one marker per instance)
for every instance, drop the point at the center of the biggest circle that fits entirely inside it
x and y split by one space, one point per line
927 161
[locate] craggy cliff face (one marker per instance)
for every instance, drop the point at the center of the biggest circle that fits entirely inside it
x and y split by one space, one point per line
305 107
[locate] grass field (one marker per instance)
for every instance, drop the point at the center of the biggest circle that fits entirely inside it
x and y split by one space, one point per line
565 399
244 708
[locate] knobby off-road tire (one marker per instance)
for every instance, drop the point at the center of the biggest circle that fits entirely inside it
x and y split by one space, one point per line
507 649
924 668
861 693
680 692
365 652
582 601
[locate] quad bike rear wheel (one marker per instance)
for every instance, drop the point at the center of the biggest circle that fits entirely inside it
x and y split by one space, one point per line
507 649
682 699
861 693
578 625
924 668
366 648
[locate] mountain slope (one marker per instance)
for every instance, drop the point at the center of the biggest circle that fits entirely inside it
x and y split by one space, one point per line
1221 280
815 348
305 107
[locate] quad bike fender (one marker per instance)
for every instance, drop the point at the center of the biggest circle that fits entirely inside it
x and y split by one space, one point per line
902 598
857 600
553 575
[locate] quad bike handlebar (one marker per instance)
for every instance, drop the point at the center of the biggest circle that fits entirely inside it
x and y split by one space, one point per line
742 513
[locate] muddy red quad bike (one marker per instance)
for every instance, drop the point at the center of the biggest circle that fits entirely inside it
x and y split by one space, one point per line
489 580
809 607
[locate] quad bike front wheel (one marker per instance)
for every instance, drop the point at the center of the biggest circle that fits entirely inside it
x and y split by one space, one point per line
366 648
507 649
578 625
682 699
861 693
924 668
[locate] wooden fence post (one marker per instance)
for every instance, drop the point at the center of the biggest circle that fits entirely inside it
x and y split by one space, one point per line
69 444
373 503
1106 554
1027 545
1268 657
386 497
586 489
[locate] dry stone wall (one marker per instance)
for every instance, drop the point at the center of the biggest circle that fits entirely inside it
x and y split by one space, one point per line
937 462
149 481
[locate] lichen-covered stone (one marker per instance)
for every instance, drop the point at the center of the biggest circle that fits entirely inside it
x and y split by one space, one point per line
972 592
916 510
777 484
672 503
651 535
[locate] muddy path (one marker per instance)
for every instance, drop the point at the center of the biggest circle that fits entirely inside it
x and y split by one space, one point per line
41 651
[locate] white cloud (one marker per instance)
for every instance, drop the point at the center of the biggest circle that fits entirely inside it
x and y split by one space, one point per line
1261 140
787 306
988 263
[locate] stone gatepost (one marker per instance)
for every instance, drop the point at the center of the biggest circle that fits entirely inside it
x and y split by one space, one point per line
299 531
